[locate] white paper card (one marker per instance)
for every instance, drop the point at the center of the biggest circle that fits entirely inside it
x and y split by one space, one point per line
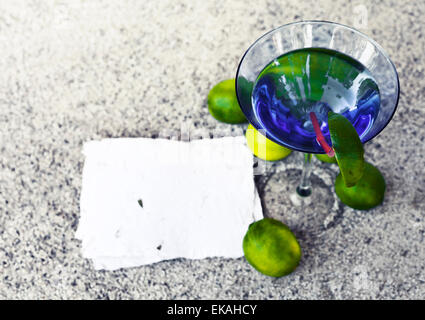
198 200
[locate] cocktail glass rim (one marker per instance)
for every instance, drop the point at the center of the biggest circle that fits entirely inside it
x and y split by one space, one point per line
330 23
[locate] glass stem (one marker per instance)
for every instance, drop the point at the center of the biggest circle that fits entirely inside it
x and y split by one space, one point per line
304 188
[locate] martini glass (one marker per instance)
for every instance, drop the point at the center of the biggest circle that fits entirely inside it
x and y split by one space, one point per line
328 37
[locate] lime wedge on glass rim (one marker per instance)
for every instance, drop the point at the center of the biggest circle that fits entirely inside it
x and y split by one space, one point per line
349 152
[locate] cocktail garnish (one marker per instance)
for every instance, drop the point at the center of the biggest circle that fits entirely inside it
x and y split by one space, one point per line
319 136
367 193
349 152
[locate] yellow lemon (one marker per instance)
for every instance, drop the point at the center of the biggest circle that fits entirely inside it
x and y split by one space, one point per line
264 148
368 191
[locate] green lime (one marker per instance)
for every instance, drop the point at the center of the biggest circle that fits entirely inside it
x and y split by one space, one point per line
271 248
348 148
325 158
223 104
264 148
368 191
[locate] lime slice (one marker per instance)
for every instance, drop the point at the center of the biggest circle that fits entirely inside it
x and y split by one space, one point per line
325 158
264 148
368 191
271 248
348 148
223 104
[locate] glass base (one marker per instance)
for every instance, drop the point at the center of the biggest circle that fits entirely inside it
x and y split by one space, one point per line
306 212
303 192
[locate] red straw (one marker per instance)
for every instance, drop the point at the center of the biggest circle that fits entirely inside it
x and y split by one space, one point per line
319 136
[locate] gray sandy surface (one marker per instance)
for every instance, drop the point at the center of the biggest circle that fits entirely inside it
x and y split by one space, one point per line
73 71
